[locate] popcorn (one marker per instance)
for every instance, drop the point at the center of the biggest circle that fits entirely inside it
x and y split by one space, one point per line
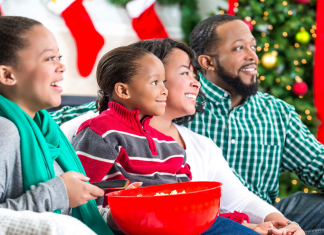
174 192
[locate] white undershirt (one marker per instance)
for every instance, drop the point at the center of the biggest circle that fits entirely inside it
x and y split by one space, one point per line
206 164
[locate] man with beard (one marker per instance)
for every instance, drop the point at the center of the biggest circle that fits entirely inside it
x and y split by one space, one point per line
260 135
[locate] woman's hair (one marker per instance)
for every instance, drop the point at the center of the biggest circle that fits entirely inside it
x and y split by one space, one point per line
118 65
161 48
12 37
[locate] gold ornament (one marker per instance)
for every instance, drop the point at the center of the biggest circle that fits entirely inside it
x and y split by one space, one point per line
269 60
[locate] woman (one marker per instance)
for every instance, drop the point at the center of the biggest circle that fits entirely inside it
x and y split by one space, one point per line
204 157
39 170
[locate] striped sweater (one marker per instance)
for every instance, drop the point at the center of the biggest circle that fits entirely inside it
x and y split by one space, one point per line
117 145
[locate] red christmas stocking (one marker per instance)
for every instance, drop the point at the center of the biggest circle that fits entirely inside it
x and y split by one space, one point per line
88 41
231 7
1 11
145 21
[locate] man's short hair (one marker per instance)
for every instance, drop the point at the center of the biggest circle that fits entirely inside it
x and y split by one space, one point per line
203 38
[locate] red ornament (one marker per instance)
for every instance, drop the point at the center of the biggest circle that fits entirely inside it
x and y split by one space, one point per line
248 23
300 88
302 1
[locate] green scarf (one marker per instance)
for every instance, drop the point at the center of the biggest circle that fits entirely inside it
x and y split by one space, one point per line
42 142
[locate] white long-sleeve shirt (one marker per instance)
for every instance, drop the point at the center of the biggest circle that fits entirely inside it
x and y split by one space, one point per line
206 164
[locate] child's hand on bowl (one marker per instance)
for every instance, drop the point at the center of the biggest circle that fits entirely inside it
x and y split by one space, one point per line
110 220
134 185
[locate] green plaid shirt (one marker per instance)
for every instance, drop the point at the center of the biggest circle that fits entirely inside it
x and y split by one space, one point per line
260 138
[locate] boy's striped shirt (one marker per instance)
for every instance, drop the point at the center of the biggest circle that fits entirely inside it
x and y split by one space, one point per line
116 145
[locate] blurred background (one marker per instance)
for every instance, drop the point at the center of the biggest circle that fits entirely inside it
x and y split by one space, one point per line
85 30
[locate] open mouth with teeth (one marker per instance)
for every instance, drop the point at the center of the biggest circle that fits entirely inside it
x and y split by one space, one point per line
191 97
249 70
57 83
57 86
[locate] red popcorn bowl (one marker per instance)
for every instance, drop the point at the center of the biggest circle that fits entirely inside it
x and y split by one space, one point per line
191 213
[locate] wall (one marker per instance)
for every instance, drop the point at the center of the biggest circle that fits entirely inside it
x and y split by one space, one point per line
112 23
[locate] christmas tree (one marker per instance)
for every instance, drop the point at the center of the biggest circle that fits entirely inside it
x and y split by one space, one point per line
285 32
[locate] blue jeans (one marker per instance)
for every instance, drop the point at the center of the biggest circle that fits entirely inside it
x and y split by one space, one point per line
228 227
220 226
307 209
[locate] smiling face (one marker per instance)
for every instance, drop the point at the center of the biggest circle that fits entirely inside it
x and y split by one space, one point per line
38 74
237 50
235 60
181 83
147 91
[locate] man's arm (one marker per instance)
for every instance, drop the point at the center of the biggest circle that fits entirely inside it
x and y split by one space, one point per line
303 154
67 113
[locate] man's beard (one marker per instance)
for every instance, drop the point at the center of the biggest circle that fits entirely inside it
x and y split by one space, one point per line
236 82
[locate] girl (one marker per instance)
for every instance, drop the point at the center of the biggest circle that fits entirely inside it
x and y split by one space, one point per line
119 143
39 171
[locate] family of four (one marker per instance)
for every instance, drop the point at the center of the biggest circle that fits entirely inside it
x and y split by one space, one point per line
165 113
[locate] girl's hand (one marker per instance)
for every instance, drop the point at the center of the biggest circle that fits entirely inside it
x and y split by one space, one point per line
79 192
292 229
134 185
268 228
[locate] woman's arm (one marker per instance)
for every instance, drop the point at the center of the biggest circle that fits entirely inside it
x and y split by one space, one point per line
237 197
47 196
